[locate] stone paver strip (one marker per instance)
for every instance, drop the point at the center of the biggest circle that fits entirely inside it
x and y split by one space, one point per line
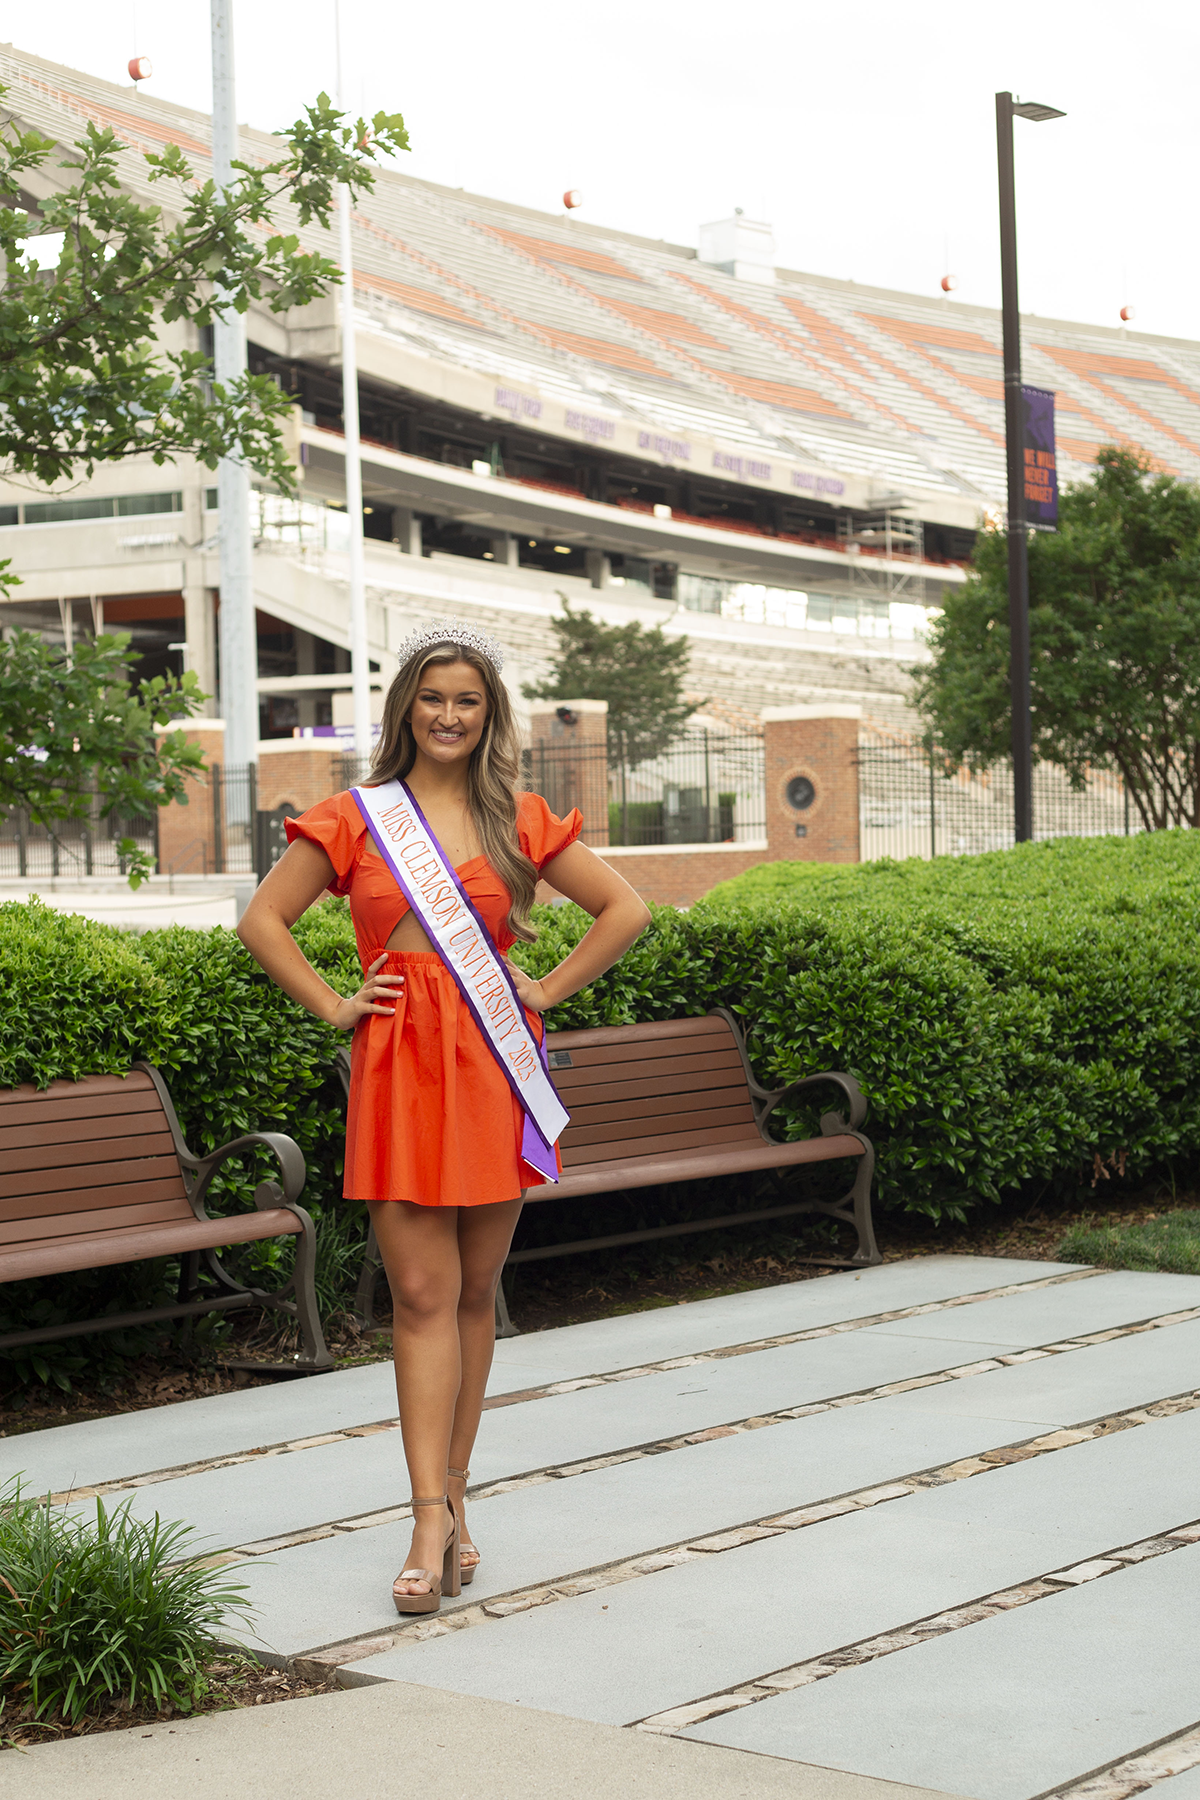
1099 1494
195 1434
1172 1768
227 1502
381 1375
1076 1678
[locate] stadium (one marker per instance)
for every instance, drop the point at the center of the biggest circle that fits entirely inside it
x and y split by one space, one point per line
787 470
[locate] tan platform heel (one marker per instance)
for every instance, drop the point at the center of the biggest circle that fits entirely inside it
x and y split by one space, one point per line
466 1569
448 1583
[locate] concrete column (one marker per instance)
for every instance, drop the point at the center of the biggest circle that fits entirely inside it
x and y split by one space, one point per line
598 567
812 782
200 632
406 527
569 761
504 550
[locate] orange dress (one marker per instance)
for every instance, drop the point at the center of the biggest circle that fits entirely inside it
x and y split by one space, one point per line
431 1117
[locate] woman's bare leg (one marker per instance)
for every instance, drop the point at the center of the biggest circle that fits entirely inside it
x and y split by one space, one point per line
420 1250
484 1236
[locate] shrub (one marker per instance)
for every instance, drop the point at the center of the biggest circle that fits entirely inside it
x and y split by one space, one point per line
91 1613
1011 1017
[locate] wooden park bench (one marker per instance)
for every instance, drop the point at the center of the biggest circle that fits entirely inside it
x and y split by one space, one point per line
96 1172
678 1101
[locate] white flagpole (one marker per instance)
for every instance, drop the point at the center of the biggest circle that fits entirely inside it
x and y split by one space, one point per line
239 635
359 663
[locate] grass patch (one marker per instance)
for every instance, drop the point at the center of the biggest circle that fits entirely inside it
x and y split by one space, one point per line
1171 1243
93 1612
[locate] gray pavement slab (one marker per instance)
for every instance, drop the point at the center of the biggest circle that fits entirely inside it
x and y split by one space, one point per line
163 1437
1013 1706
621 1653
396 1739
279 1494
1050 1314
1076 1386
337 1588
607 1344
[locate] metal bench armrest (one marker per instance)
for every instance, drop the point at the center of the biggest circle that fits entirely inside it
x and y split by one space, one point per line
832 1124
267 1194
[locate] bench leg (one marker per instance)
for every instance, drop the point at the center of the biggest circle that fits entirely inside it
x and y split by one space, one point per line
368 1281
504 1325
867 1255
315 1352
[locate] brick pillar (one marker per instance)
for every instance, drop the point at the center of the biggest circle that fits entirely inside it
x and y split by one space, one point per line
812 783
569 758
186 840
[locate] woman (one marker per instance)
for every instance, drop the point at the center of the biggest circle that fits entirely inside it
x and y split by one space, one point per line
435 1131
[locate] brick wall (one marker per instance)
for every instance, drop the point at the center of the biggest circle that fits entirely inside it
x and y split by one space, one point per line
678 876
570 766
185 833
812 783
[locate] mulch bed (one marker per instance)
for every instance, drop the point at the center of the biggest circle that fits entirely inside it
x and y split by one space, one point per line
233 1684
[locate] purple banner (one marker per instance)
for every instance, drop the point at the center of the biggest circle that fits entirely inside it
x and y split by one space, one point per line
1041 473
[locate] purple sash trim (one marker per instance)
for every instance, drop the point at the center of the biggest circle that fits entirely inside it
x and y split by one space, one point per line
537 1147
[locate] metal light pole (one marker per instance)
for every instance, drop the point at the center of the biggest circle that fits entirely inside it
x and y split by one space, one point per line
239 636
360 668
1014 433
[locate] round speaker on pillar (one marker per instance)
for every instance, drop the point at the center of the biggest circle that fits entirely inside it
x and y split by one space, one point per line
800 793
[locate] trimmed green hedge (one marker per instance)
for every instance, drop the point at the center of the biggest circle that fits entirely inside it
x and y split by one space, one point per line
1010 1017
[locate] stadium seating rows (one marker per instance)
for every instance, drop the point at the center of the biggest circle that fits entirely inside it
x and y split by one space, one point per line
903 388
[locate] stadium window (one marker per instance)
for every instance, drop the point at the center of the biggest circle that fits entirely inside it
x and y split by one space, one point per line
59 512
210 499
9 515
130 505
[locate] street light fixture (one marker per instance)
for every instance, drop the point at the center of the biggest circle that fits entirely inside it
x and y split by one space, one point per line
1014 432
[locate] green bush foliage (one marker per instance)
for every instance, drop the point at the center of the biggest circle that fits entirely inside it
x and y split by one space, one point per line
1171 1243
1011 1017
93 1612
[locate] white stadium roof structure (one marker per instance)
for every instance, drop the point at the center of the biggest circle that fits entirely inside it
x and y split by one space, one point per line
601 375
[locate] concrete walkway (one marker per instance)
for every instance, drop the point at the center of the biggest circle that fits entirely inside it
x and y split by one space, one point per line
933 1525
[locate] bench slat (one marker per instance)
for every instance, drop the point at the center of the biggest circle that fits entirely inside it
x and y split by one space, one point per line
81 1153
56 1192
668 1141
702 1026
720 1061
620 1109
140 1203
665 1088
653 1122
92 1084
732 1159
102 1249
82 1105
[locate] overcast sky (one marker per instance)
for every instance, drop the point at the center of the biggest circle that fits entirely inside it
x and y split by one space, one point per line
864 133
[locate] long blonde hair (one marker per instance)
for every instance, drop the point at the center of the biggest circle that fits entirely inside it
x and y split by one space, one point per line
492 775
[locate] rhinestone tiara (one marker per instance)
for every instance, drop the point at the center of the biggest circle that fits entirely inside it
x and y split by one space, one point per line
451 631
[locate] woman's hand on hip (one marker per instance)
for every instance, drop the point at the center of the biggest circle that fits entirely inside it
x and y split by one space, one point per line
529 991
378 994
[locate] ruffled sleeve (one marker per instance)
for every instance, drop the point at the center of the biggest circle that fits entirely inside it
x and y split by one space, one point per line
338 826
542 835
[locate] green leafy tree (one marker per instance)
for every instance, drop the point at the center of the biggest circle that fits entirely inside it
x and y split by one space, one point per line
1115 642
85 379
637 670
77 738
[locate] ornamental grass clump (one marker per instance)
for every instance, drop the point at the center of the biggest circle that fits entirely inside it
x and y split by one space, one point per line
101 1612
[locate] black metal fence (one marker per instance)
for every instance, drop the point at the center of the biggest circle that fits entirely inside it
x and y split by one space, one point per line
705 788
914 802
75 847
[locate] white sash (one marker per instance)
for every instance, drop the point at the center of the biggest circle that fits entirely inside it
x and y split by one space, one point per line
437 897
